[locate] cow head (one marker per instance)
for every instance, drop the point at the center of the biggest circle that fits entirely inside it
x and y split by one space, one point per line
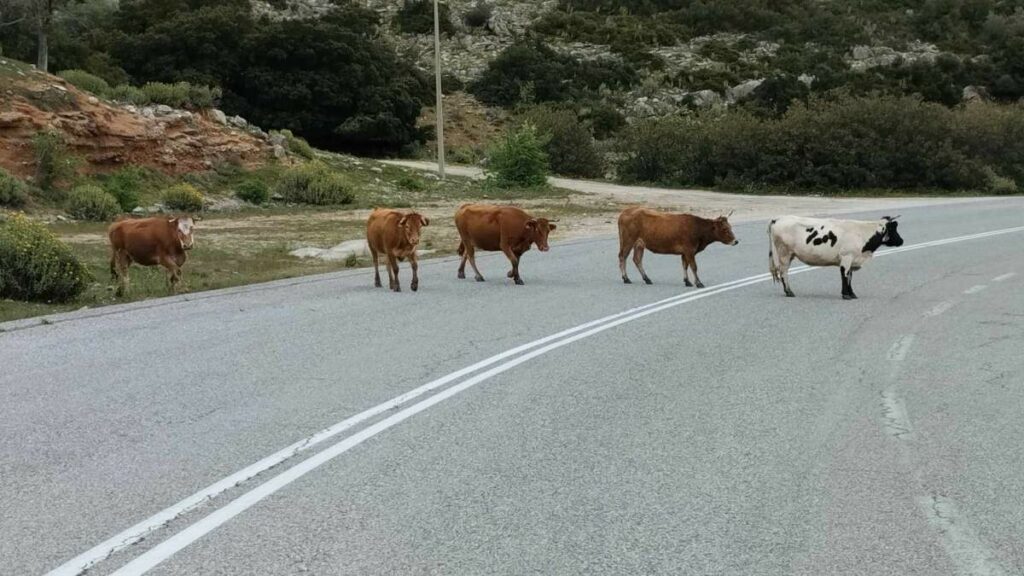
890 237
723 230
410 225
182 227
538 229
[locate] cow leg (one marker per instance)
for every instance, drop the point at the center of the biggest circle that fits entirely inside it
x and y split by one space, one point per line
415 272
471 254
785 259
376 267
686 270
624 249
638 261
513 258
119 263
393 269
692 257
173 272
846 275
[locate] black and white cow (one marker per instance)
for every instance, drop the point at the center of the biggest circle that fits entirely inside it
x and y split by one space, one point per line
827 242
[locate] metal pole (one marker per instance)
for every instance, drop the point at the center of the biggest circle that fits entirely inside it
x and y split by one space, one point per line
437 81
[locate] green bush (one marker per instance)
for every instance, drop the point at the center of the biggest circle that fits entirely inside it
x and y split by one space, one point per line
313 183
846 143
254 192
35 265
479 15
298 146
129 94
203 97
13 192
53 162
85 81
518 160
90 202
127 185
183 198
411 182
417 17
173 95
568 143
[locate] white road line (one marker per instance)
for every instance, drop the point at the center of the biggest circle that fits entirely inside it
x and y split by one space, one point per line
939 308
112 545
1004 277
970 554
899 349
188 535
975 289
897 422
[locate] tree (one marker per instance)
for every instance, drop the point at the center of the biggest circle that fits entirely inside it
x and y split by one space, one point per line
39 14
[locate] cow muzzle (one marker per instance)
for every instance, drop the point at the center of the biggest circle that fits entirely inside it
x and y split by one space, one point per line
735 242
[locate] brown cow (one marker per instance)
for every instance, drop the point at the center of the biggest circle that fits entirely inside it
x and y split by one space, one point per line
667 233
149 242
494 228
395 234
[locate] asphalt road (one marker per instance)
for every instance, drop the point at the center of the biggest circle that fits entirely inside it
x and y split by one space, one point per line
737 433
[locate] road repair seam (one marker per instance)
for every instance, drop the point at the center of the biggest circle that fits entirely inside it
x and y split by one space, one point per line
971 555
195 531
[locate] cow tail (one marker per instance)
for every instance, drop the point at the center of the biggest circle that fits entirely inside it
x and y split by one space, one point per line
773 266
462 248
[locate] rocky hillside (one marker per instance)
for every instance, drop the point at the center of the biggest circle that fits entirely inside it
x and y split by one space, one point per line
107 135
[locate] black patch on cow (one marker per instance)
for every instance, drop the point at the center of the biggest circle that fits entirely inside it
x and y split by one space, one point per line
811 229
831 238
874 242
814 233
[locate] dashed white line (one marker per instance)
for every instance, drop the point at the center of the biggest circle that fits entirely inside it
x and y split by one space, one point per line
900 348
1006 276
970 554
975 289
939 308
195 531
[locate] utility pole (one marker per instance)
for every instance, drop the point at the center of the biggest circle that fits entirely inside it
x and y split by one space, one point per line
437 81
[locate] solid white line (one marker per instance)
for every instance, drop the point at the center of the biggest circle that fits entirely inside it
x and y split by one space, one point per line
112 545
939 308
970 554
975 289
195 531
1004 277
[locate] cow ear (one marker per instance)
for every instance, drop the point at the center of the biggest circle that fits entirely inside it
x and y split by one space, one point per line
532 223
552 226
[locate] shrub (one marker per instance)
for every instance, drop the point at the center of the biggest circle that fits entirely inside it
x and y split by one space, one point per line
85 81
173 95
479 15
314 183
53 162
254 192
450 83
129 94
203 97
568 143
417 17
126 185
183 198
518 160
90 202
13 192
35 265
410 182
298 146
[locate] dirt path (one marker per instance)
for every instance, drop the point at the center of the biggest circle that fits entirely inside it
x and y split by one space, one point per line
747 207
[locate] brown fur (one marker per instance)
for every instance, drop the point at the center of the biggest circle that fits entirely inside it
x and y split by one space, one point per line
147 242
668 233
394 234
493 228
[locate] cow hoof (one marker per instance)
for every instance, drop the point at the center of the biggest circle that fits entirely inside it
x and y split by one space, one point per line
687 283
377 285
479 278
849 296
462 276
519 282
626 280
700 284
398 289
414 287
509 274
790 295
647 280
